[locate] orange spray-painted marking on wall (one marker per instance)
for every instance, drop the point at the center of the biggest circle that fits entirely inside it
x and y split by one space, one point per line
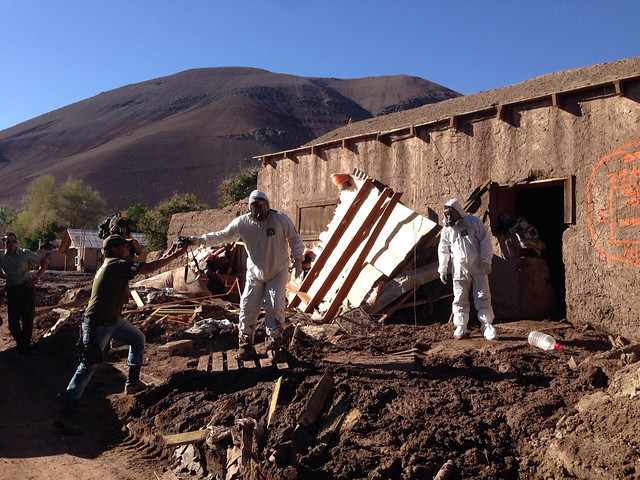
613 205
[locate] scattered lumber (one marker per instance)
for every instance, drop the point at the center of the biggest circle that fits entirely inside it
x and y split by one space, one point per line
274 400
402 361
184 438
315 403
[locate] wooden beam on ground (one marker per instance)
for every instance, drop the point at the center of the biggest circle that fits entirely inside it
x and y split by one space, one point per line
136 298
316 402
396 306
203 363
184 438
357 267
274 400
349 249
401 361
320 262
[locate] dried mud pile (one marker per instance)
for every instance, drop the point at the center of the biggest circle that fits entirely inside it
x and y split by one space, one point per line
405 399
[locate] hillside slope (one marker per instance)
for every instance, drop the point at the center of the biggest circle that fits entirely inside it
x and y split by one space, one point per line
186 132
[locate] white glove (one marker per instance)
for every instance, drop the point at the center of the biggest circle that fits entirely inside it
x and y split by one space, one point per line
297 267
443 277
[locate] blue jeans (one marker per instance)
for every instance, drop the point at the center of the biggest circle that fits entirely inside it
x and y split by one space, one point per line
122 331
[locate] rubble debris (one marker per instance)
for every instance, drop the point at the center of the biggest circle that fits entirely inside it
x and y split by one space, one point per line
184 438
174 348
368 239
136 298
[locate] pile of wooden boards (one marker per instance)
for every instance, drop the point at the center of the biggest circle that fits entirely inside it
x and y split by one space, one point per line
371 239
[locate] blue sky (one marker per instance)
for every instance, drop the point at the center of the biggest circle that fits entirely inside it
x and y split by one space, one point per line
54 53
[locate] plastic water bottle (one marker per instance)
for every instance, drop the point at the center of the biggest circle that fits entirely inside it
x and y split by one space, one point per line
543 341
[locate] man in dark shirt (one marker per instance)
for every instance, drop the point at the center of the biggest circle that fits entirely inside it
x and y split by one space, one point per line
103 321
16 266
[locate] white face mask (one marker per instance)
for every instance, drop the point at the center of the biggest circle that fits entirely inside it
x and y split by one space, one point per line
259 209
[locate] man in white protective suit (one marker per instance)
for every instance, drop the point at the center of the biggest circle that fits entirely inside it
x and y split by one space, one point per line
465 243
268 235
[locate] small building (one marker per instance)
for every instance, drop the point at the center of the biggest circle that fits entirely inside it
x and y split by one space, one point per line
561 151
83 249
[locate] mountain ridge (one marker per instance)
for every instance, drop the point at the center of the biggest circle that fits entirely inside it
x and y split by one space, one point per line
186 132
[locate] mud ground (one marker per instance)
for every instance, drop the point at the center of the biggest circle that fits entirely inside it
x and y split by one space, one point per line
405 399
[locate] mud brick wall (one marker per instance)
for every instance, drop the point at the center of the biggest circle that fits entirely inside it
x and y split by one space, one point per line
592 135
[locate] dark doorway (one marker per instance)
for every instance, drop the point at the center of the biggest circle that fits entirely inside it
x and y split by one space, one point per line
544 207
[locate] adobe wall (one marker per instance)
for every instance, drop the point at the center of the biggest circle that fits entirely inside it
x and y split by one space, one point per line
205 221
588 137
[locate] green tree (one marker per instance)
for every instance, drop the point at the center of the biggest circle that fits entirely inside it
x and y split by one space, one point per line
134 213
7 216
49 208
155 222
77 205
238 186
42 237
39 203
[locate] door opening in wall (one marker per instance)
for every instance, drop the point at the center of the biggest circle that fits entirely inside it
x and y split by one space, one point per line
544 208
548 207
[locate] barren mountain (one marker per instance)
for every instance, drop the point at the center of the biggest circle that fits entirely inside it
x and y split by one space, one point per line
186 132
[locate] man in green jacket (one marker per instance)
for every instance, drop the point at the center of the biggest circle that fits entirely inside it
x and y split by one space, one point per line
103 321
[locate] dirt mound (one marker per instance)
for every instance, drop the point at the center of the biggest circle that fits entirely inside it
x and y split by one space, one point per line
401 400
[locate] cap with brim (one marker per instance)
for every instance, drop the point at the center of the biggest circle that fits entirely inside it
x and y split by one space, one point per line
113 241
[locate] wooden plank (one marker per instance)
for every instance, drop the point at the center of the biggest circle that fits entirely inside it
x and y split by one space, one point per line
569 200
407 281
357 267
316 401
169 475
396 306
175 348
136 298
232 363
265 362
251 363
320 262
274 400
392 361
217 362
282 366
203 363
349 249
184 438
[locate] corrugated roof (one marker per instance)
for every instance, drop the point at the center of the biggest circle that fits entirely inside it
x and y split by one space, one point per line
90 239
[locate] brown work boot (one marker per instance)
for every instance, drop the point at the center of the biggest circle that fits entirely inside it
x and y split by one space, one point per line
275 349
137 386
246 352
134 384
64 422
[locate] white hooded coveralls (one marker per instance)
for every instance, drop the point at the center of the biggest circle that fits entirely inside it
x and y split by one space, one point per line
267 244
467 246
